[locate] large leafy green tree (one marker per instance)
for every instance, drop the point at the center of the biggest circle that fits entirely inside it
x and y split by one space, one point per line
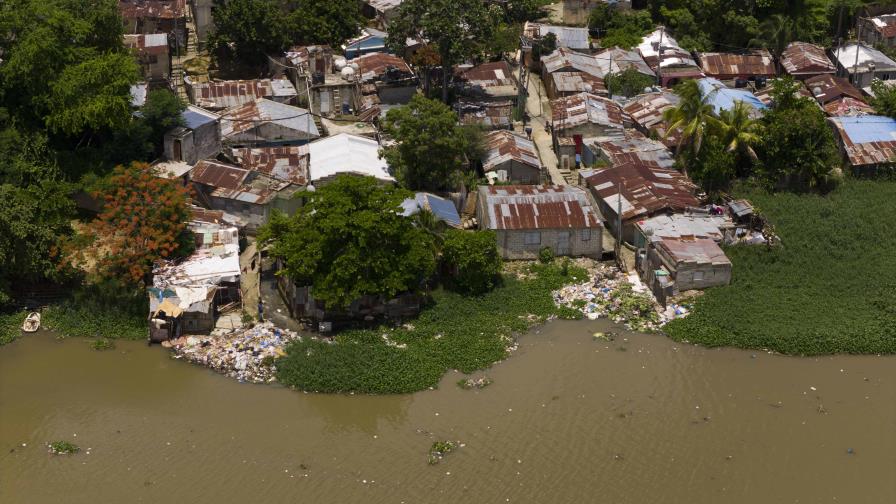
247 30
429 144
472 260
797 147
350 240
884 99
64 64
692 118
628 82
458 28
323 21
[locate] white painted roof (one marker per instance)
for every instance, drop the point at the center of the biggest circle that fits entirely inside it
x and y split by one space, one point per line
345 153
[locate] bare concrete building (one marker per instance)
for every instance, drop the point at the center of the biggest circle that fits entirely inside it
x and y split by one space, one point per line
199 137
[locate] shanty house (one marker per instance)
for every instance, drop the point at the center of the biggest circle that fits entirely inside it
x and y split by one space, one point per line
511 157
675 65
802 60
493 81
289 163
346 154
862 64
220 95
828 89
528 218
878 30
731 66
568 37
638 190
616 59
675 265
646 112
332 81
369 41
490 115
866 142
186 296
395 82
567 72
266 122
382 11
582 116
152 54
156 16
198 138
441 208
633 147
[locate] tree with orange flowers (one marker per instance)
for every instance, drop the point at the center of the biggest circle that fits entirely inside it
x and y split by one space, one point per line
144 219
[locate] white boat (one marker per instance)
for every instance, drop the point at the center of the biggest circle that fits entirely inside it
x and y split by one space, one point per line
32 322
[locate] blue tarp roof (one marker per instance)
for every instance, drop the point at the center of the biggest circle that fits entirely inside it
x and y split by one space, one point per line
442 208
865 129
193 119
375 41
722 97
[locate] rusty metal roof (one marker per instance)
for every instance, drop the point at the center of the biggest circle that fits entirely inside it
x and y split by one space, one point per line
489 114
645 190
157 9
803 58
827 88
867 140
646 110
885 25
233 93
537 207
615 59
382 66
300 55
692 250
582 108
759 62
765 94
674 57
494 79
578 82
848 106
261 111
215 174
289 164
635 148
503 146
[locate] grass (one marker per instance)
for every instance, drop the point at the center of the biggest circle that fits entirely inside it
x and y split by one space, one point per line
829 289
467 333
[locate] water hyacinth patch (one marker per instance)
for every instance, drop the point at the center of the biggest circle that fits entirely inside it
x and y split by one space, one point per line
63 448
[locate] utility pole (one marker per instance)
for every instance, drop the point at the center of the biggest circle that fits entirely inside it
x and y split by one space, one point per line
855 67
659 57
619 224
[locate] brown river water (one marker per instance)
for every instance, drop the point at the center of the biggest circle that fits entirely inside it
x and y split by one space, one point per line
567 419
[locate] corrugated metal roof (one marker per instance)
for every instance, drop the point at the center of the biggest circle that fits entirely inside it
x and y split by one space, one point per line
635 147
567 36
233 93
537 207
492 114
578 82
495 79
261 111
722 97
759 62
673 55
885 25
615 60
765 94
700 251
289 164
503 146
214 174
581 108
443 209
803 58
848 106
195 117
300 55
646 111
152 9
827 88
644 190
690 224
154 44
382 66
383 5
867 140
566 60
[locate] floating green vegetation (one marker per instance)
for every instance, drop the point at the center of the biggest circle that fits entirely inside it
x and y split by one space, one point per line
102 344
11 326
828 289
467 333
90 320
63 448
438 450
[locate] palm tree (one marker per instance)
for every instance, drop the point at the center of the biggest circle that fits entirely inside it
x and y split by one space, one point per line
690 117
737 130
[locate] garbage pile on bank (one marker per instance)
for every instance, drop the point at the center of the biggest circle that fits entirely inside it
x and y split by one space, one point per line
245 354
622 298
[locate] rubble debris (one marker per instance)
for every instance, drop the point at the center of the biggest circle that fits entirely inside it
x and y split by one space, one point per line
245 354
622 298
475 383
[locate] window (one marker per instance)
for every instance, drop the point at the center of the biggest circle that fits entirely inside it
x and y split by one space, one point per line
533 238
586 234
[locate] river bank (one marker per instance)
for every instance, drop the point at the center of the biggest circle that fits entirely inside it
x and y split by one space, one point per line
639 419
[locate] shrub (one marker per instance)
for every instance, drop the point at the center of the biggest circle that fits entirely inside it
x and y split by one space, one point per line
472 259
546 255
